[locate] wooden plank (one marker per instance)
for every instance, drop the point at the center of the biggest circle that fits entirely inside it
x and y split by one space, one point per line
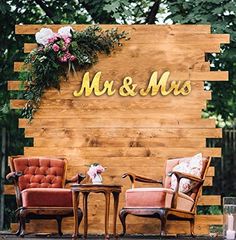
135 228
195 61
72 85
54 94
119 123
208 200
140 34
120 165
210 76
8 190
211 171
120 151
28 47
124 103
119 114
140 133
208 182
192 76
33 28
114 171
15 85
119 142
145 226
17 103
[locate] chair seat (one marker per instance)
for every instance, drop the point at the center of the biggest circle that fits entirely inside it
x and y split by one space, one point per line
156 198
46 197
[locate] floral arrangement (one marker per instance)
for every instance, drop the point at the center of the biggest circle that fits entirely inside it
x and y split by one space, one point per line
95 169
59 53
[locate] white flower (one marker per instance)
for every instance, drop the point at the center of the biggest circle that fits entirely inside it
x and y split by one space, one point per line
65 31
44 35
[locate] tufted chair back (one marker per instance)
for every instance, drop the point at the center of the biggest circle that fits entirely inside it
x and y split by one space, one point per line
39 172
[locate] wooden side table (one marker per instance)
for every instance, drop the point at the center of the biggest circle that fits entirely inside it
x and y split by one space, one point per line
86 189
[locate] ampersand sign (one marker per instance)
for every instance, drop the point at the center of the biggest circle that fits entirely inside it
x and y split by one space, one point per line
128 89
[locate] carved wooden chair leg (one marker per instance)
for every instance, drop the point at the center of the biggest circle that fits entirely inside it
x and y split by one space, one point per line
22 216
163 219
19 223
59 221
19 229
123 214
80 217
192 227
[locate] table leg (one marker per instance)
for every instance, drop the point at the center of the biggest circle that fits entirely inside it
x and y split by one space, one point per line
75 196
116 203
85 209
107 196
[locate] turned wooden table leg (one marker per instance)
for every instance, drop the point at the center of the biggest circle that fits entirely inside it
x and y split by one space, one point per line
85 210
75 196
107 196
116 203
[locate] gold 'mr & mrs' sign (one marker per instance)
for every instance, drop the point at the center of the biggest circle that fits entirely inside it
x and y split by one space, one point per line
128 88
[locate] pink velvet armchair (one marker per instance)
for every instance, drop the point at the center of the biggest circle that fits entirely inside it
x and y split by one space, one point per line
39 186
166 203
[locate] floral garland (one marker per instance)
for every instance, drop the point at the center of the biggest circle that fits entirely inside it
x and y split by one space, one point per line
59 53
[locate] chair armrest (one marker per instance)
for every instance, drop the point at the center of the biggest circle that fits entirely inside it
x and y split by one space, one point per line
180 175
14 176
76 179
136 178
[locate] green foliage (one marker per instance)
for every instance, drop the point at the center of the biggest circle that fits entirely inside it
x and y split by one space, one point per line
209 210
221 15
45 66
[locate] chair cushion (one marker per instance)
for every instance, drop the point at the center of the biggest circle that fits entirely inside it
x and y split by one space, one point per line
156 198
47 197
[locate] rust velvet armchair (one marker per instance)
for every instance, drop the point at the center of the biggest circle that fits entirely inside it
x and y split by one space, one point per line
39 186
167 202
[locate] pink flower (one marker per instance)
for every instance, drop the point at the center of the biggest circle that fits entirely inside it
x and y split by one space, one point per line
94 170
68 55
72 58
55 47
100 169
53 38
62 59
67 40
64 48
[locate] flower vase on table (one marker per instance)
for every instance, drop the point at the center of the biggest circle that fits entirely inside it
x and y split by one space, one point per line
97 179
94 173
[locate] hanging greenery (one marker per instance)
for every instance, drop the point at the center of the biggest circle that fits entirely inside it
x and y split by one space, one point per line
59 53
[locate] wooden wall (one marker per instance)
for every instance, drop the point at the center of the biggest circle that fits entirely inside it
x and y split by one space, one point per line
134 134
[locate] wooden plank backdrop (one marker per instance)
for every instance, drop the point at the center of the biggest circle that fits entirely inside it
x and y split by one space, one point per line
136 134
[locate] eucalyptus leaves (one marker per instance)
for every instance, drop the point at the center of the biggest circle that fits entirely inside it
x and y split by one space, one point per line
59 53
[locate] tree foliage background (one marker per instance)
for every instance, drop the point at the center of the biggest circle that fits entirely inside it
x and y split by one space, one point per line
219 13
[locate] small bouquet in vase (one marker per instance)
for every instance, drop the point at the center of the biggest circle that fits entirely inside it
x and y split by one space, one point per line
94 172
